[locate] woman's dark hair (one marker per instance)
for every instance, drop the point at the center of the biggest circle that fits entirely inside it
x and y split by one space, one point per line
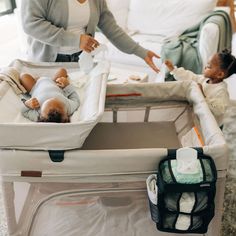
227 62
53 116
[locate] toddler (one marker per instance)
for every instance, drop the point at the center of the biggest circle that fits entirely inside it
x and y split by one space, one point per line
211 82
52 99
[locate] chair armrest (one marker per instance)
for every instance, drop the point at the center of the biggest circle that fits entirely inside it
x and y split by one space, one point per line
208 41
223 8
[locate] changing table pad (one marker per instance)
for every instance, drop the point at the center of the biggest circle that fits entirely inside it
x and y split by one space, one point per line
20 133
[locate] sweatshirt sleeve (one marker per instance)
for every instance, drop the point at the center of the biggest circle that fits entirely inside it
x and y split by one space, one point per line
73 98
29 113
182 74
117 35
36 23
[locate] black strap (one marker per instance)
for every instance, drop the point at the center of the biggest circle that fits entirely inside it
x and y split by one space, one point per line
68 57
56 155
203 169
171 172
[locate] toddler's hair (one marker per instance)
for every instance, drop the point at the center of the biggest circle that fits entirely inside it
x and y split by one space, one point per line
227 62
53 116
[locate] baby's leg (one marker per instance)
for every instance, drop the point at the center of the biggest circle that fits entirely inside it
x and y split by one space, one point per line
27 81
60 73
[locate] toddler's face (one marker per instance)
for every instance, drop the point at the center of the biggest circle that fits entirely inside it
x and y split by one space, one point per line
213 70
54 105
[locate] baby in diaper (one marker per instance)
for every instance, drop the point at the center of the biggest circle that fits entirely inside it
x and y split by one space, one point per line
51 99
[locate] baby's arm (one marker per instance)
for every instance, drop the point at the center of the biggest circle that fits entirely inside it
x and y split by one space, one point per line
73 98
30 109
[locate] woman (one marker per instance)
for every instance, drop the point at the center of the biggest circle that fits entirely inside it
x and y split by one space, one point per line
59 30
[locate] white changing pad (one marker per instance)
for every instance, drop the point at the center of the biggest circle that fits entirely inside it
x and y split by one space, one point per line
20 133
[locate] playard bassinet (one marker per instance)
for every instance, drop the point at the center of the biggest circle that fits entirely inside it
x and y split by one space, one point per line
68 179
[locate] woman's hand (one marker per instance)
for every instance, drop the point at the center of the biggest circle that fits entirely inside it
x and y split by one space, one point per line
149 60
32 103
169 65
62 82
88 43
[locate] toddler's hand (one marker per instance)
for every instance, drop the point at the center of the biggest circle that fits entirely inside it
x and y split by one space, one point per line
169 65
32 103
62 82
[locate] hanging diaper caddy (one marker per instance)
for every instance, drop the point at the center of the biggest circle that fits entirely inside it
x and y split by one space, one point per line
181 195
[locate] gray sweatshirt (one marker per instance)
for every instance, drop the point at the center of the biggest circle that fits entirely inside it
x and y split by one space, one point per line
45 23
45 88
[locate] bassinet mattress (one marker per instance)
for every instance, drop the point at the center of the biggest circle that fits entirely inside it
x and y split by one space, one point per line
21 133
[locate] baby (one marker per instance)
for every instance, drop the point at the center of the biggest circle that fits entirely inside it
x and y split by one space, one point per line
214 89
52 99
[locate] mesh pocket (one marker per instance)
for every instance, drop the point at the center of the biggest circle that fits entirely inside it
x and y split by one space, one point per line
154 212
166 174
197 222
174 222
185 200
202 200
207 165
168 220
171 200
193 202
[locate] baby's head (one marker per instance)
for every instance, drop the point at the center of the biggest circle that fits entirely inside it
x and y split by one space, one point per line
53 110
220 66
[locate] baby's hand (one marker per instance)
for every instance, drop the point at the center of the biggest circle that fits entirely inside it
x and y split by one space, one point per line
32 103
62 82
169 65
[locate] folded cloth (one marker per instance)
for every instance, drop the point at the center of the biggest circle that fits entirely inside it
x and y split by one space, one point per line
12 77
152 190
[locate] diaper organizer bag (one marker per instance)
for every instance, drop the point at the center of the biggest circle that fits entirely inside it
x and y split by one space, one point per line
183 202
